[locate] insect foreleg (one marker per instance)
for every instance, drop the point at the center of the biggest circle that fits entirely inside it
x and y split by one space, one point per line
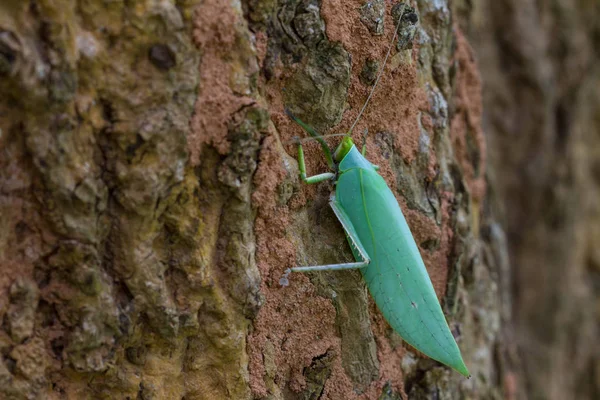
364 148
310 179
316 136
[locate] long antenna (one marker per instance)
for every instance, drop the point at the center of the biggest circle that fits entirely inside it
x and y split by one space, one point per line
389 50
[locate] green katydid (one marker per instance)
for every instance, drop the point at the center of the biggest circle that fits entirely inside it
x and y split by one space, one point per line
383 246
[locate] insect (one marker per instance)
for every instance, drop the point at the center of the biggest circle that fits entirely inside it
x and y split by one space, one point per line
383 247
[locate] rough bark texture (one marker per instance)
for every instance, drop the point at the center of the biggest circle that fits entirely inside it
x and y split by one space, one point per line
150 200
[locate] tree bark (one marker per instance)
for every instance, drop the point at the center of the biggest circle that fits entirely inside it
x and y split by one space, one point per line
150 199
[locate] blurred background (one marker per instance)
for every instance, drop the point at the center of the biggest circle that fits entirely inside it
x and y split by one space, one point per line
541 100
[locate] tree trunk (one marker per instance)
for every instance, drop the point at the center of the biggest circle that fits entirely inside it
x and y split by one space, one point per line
150 198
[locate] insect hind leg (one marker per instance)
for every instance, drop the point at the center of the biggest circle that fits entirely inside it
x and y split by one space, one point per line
357 248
